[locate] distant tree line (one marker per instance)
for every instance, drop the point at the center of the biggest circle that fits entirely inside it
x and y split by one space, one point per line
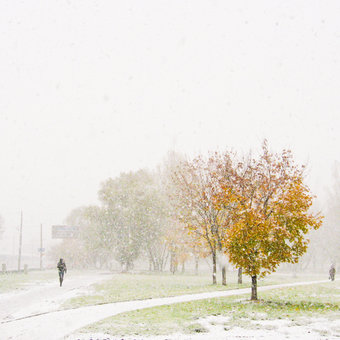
254 210
324 247
135 220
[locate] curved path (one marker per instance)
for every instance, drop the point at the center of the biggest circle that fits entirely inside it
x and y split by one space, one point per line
57 325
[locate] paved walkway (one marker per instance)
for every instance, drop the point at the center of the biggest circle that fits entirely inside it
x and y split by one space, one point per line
57 325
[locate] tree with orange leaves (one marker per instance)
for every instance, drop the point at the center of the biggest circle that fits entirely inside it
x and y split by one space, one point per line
270 215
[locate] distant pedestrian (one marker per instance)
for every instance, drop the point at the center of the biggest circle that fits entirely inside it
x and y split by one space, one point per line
332 272
62 270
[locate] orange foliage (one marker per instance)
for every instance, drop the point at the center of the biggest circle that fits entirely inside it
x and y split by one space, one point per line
270 213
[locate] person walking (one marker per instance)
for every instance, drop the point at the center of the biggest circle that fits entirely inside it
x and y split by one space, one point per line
332 272
61 265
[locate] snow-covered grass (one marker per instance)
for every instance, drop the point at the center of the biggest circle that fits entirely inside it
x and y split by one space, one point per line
313 310
14 281
216 327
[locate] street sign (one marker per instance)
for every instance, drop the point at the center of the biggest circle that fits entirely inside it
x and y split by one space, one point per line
65 231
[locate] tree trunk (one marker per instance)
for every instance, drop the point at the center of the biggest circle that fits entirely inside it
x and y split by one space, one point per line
183 267
224 276
165 260
214 267
239 276
254 287
173 263
196 265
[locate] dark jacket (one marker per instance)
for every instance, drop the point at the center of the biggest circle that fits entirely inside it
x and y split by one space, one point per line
62 266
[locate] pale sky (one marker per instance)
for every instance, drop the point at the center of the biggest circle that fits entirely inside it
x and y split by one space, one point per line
90 89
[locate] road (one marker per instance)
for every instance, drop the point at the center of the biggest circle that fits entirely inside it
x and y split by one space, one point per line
54 325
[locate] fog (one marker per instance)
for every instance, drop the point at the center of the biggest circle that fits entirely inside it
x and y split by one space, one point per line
91 89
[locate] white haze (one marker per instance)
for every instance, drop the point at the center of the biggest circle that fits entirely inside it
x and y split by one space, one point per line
90 89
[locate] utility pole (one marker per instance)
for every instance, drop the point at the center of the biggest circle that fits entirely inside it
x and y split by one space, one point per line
20 243
41 248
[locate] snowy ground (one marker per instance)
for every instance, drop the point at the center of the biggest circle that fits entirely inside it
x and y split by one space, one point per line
21 324
42 297
217 327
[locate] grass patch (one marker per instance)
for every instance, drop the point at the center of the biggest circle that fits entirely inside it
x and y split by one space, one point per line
157 321
289 303
125 287
310 297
